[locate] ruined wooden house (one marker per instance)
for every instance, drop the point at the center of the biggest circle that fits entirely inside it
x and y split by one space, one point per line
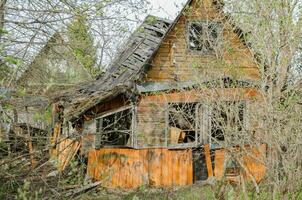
151 119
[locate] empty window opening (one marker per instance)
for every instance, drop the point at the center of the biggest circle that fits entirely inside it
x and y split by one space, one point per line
203 36
114 129
181 123
227 116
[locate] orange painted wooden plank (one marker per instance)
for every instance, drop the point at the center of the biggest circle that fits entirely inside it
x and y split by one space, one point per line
155 167
31 153
176 168
171 167
183 165
116 161
190 167
107 171
165 168
207 154
71 153
129 167
99 168
66 150
254 163
54 140
93 164
145 165
136 169
219 163
121 171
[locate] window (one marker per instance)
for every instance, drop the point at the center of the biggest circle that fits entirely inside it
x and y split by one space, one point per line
114 129
193 124
181 123
203 36
226 116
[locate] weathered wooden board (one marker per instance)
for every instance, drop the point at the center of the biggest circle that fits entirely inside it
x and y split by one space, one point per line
174 60
151 109
130 168
253 163
66 150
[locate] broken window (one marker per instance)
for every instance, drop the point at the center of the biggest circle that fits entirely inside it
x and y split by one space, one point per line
226 116
203 36
114 129
197 123
181 123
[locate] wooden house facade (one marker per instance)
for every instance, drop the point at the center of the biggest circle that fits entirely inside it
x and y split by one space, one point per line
151 119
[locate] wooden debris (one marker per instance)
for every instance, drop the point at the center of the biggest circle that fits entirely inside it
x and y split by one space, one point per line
83 189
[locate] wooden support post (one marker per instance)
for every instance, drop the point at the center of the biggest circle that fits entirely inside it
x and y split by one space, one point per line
31 152
207 154
57 112
29 141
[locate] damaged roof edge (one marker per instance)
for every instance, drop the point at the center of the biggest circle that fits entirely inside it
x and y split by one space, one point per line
123 71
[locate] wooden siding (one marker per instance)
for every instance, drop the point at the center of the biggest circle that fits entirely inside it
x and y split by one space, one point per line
252 163
101 108
173 60
151 110
65 151
130 168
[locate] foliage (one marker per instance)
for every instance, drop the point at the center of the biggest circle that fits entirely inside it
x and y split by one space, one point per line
82 45
75 174
24 192
5 72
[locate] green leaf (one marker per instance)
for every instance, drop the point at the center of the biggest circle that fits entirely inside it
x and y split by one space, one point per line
3 31
12 60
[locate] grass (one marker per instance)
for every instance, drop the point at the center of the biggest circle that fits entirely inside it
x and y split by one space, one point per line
198 192
143 193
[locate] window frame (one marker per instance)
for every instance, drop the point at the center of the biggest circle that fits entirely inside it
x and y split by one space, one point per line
203 23
203 125
197 133
244 118
98 132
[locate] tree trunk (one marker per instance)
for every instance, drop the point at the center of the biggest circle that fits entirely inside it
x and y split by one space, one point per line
2 13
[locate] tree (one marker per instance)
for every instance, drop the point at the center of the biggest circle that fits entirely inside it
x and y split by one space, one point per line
25 28
82 44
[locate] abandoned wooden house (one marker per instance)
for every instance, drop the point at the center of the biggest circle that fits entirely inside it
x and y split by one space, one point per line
151 119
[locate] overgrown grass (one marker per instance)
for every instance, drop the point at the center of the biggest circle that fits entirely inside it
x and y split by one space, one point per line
198 192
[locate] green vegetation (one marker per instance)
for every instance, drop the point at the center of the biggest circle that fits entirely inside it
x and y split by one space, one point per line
82 45
194 192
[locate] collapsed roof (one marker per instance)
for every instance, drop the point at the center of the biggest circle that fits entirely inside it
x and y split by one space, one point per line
124 71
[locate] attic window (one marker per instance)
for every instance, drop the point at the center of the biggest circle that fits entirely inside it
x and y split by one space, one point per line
114 129
203 36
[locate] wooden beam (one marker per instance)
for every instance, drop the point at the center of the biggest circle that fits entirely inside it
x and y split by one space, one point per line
207 154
